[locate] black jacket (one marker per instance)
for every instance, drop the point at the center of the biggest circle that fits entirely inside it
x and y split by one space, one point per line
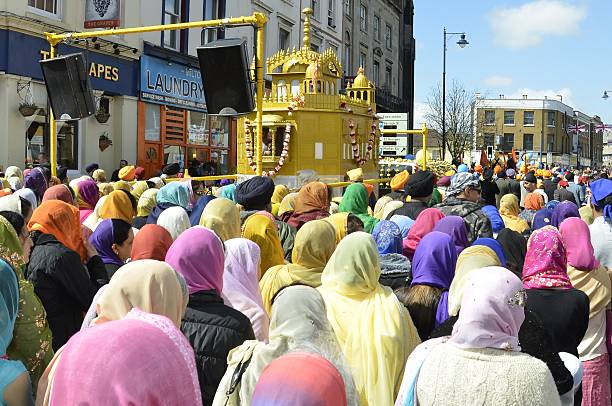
65 287
213 329
549 187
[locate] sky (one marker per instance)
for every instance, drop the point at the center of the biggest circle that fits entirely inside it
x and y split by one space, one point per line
517 47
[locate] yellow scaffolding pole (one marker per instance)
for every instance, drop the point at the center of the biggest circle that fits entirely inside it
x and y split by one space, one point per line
258 20
423 131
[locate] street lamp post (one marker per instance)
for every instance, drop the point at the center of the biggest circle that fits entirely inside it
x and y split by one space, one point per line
462 44
605 95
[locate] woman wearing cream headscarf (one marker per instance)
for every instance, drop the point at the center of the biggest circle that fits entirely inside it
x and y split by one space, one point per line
139 188
314 245
509 211
105 188
223 217
296 324
380 207
285 210
146 204
262 231
175 220
470 260
280 191
374 329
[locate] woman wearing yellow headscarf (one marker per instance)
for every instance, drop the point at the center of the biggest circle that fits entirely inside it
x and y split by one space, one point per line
223 217
471 259
286 207
340 223
146 204
122 185
139 188
373 328
280 191
262 231
105 188
314 244
509 211
118 205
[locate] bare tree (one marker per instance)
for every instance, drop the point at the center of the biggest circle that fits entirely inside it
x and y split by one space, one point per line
459 118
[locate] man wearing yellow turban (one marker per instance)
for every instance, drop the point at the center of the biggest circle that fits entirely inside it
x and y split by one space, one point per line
127 173
397 185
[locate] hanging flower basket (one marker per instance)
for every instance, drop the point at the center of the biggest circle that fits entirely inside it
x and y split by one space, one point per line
102 116
27 110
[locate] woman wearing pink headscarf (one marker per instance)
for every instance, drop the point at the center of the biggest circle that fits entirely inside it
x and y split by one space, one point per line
142 359
563 309
424 224
241 285
212 328
465 368
587 275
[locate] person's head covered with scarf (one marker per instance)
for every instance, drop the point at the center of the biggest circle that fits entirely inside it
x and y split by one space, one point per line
355 201
455 227
461 182
223 217
424 224
514 246
601 193
388 237
563 210
37 182
255 193
494 245
151 242
546 261
542 218
263 232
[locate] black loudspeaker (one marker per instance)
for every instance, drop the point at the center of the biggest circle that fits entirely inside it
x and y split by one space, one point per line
225 77
68 87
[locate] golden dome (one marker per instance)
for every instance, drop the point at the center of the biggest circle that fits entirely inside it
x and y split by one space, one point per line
361 81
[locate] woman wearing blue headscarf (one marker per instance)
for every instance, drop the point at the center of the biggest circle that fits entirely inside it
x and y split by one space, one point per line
403 222
541 219
173 194
601 229
563 210
394 267
14 378
495 246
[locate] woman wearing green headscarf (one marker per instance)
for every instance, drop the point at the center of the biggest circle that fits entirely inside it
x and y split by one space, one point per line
355 200
31 342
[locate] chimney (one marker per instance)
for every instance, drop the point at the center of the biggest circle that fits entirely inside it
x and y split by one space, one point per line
501 96
524 97
545 97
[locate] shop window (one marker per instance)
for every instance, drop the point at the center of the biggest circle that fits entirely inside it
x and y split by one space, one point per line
219 161
219 135
68 145
198 128
174 153
37 143
196 154
152 122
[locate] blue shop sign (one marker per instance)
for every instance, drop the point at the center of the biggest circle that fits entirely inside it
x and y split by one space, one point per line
170 83
22 53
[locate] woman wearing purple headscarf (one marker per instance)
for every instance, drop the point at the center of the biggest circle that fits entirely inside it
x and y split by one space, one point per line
212 328
455 227
113 240
37 181
87 195
563 210
433 268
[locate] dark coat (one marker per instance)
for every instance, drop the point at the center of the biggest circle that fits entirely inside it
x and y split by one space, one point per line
65 287
476 220
411 209
549 188
489 190
213 329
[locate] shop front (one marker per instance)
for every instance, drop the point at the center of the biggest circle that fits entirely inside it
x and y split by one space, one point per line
173 125
24 106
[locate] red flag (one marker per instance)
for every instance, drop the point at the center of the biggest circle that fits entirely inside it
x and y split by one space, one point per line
513 154
484 160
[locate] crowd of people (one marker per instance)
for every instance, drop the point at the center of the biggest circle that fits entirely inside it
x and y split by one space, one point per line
488 285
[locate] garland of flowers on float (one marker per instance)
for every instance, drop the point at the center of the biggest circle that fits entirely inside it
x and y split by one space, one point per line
249 149
356 155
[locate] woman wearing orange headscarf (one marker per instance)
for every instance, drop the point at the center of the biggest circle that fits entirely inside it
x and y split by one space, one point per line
311 203
533 202
65 287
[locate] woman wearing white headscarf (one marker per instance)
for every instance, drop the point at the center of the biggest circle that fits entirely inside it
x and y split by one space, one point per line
296 325
175 220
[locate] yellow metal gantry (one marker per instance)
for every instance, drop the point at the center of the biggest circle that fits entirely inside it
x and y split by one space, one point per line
258 20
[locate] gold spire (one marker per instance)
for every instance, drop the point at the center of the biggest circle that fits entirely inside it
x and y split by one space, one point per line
306 40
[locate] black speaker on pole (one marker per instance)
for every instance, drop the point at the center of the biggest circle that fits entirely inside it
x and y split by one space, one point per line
68 87
225 77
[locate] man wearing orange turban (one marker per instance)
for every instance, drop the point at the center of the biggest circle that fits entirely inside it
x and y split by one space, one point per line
397 185
127 173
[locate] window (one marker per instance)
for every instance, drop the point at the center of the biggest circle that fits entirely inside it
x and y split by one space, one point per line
48 6
212 12
172 10
348 8
219 131
528 118
362 60
331 13
551 143
363 18
347 53
508 117
388 77
550 118
489 140
528 142
174 153
388 37
376 73
283 38
152 122
316 7
198 128
508 142
376 27
489 118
